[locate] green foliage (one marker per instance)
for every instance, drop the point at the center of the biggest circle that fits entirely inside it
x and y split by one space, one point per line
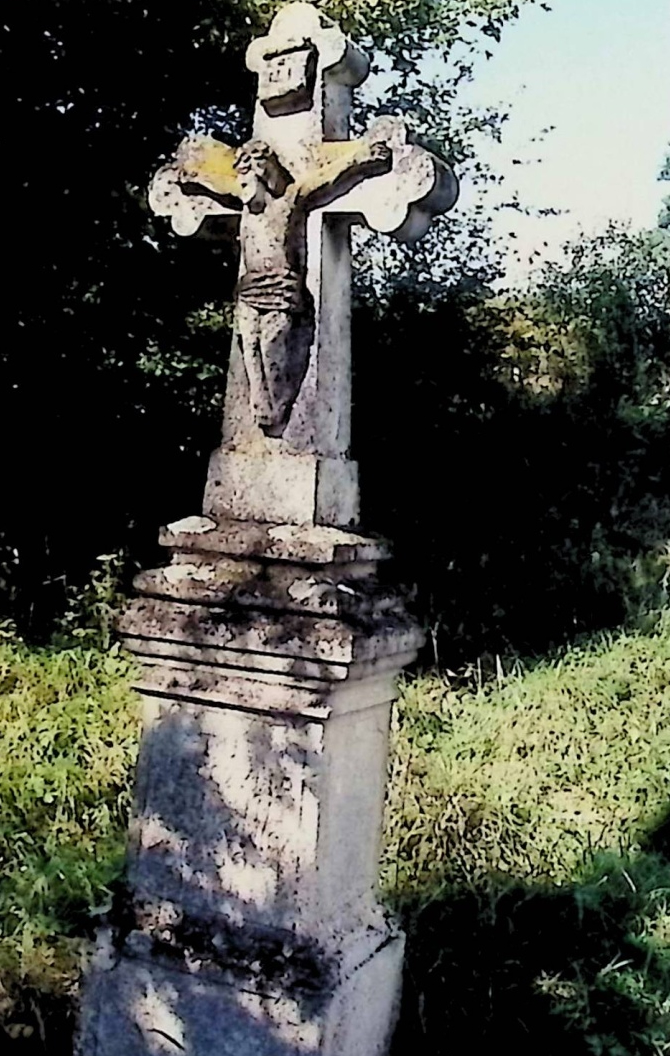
403 26
525 776
580 970
601 319
68 736
92 609
593 338
528 842
542 417
8 562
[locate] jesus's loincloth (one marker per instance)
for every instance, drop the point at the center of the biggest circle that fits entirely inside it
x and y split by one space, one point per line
273 291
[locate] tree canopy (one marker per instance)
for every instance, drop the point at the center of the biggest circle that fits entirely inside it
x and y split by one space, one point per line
114 376
112 381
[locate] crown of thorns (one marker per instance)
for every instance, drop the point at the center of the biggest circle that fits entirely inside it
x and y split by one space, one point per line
254 150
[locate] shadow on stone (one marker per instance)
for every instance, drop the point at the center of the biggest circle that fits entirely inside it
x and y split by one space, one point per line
218 946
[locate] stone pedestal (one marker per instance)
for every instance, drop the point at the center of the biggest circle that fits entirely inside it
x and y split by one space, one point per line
269 655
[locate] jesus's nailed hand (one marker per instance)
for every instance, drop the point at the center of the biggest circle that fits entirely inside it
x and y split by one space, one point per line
382 153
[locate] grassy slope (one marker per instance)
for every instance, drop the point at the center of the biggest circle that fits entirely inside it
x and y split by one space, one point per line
525 845
528 843
528 777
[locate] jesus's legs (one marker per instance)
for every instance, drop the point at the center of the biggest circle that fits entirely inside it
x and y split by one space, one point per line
249 330
275 348
285 341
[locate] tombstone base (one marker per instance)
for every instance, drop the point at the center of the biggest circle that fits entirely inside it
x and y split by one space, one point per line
145 1006
268 657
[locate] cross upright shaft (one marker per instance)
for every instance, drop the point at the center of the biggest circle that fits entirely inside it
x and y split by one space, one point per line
304 100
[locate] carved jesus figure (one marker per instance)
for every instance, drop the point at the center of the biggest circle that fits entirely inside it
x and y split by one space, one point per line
275 311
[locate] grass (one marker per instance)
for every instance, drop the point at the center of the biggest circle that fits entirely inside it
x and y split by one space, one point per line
532 774
68 736
527 846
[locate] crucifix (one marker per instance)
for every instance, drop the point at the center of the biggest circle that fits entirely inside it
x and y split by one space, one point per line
298 186
269 646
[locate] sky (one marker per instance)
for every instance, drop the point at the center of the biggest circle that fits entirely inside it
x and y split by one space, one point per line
599 71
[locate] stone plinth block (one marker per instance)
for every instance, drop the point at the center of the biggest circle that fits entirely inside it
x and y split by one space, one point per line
305 544
272 814
307 1004
283 488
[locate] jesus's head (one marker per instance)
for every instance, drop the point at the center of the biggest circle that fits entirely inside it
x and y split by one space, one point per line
259 172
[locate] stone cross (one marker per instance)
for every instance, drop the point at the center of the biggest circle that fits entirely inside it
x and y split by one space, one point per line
269 646
299 185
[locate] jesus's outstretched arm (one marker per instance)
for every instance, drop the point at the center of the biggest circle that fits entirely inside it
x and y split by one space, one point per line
343 166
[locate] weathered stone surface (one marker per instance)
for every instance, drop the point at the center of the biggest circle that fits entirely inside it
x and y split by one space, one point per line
247 690
275 725
298 186
306 544
302 637
256 690
285 588
291 488
418 187
141 1007
292 668
276 321
252 828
